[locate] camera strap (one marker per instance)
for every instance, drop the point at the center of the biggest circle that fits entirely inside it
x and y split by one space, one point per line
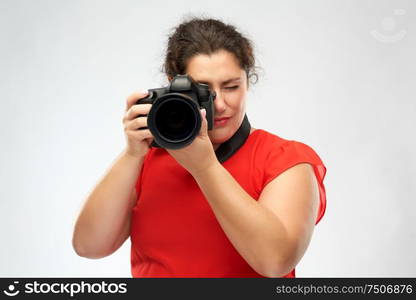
228 148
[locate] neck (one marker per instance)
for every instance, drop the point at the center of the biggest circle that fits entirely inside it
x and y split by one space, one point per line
215 146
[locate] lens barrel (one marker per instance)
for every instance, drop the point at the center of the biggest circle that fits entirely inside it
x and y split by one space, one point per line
174 120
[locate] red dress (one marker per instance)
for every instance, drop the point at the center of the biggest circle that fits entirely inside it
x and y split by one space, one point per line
174 232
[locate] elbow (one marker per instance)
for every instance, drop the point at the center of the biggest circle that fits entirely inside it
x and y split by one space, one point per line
273 269
83 251
281 264
275 272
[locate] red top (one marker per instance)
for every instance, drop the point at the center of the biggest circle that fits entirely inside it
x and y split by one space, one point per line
174 232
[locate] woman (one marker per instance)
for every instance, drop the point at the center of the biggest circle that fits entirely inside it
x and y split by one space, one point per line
187 214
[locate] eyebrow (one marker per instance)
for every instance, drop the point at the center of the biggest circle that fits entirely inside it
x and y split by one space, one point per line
224 82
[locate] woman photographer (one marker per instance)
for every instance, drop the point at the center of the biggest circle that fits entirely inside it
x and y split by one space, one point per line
187 213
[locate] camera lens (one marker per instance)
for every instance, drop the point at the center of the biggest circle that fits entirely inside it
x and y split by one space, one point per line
175 120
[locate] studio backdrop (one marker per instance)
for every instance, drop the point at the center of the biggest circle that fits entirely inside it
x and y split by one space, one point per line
336 75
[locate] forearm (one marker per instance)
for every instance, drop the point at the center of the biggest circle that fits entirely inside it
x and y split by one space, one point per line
256 232
107 208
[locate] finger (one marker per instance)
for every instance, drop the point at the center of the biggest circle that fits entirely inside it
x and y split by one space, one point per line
145 134
132 99
136 123
141 134
136 110
204 124
140 122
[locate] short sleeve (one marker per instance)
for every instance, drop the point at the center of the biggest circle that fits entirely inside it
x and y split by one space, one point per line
289 154
139 180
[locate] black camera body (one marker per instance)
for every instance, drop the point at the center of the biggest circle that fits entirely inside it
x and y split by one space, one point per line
174 118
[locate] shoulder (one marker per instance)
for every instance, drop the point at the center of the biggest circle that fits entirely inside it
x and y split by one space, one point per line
273 155
268 143
263 137
295 159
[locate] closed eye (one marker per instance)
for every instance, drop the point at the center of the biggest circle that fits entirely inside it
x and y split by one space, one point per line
231 87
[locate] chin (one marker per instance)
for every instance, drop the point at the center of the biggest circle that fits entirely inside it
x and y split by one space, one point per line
220 135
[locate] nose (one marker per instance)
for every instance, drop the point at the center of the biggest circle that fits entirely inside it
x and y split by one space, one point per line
219 103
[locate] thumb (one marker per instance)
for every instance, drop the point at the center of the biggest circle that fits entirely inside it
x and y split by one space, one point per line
204 125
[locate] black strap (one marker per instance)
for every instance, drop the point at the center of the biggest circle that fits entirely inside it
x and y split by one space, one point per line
228 148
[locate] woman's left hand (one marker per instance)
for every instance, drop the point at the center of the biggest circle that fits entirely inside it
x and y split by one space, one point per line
200 154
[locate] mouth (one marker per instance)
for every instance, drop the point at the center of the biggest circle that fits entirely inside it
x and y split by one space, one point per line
221 121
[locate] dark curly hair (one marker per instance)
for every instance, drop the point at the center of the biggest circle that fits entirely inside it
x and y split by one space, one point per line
206 36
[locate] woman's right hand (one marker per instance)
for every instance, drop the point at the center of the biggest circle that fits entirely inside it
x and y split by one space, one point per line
138 140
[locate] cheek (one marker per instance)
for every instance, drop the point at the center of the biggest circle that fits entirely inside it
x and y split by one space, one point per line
237 100
235 103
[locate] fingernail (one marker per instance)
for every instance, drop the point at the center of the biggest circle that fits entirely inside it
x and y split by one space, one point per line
144 92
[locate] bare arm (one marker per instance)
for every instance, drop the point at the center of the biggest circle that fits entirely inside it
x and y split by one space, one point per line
104 221
273 233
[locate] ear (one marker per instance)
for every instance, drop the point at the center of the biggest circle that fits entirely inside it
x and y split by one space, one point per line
247 79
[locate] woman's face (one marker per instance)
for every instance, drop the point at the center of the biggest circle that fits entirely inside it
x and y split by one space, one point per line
223 74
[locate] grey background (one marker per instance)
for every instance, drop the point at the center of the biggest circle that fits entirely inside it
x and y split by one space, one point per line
337 75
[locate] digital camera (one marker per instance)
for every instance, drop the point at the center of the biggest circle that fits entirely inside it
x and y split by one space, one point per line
174 118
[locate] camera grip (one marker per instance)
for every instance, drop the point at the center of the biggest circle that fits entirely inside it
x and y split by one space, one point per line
147 100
